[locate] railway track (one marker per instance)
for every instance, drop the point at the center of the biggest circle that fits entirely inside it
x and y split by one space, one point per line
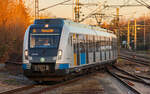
134 54
128 79
38 89
13 91
130 88
133 77
135 60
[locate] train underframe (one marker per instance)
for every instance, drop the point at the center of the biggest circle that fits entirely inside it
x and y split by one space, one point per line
63 74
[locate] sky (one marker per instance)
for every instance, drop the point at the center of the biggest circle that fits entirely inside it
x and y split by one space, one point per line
66 11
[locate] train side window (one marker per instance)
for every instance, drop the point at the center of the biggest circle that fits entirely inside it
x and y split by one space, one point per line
90 43
101 42
94 48
97 43
74 43
71 40
113 43
93 43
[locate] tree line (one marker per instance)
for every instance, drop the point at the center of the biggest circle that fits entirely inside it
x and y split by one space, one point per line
14 19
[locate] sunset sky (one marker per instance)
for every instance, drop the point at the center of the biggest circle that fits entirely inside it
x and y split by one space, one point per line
65 11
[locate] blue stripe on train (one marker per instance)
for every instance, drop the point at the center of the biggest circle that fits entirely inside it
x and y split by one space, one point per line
24 66
63 66
82 58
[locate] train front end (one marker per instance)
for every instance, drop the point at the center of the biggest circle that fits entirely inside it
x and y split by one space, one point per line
41 43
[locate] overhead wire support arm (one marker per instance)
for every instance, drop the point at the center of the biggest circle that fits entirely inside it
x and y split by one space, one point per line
89 15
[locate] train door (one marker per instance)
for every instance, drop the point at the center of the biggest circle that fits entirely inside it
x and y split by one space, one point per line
97 49
103 48
93 46
110 46
82 50
90 50
113 50
75 49
87 49
70 51
78 50
107 48
100 45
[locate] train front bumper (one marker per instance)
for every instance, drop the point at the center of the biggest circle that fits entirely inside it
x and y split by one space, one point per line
58 72
45 69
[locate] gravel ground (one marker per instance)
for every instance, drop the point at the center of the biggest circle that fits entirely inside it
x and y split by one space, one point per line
101 83
9 80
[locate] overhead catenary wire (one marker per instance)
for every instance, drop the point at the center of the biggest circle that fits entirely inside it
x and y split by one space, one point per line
54 5
143 3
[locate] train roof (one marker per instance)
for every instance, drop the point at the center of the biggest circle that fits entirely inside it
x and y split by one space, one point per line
75 26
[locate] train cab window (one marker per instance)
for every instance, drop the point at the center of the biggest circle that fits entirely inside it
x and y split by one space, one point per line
44 40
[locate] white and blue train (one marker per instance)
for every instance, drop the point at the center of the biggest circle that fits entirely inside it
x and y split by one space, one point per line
58 47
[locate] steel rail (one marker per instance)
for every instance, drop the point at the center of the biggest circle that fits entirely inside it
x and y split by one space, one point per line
131 79
14 91
134 54
135 60
75 78
127 73
136 78
147 78
61 84
123 82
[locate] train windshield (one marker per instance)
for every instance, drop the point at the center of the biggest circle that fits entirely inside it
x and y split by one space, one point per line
44 40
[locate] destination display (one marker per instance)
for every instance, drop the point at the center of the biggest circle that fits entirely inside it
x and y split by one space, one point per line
44 30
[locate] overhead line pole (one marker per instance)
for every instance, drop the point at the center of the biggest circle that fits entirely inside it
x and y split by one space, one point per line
77 11
117 27
36 9
135 37
144 33
128 35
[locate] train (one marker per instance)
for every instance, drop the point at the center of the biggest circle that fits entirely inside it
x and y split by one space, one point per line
55 48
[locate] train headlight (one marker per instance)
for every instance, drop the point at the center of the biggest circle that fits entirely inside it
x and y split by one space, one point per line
26 54
59 54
